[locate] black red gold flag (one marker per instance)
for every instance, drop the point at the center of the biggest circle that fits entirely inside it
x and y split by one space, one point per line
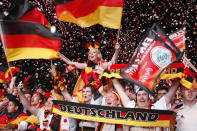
86 13
29 40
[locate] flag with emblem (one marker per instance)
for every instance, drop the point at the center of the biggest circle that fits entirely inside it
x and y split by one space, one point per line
151 57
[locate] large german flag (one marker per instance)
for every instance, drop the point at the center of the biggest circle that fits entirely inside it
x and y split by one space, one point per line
22 10
29 40
86 13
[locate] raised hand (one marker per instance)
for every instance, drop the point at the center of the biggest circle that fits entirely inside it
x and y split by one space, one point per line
117 46
53 70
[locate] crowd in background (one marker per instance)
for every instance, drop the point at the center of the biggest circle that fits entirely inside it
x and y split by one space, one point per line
29 99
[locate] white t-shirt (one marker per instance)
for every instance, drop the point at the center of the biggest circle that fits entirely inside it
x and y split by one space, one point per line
187 118
64 122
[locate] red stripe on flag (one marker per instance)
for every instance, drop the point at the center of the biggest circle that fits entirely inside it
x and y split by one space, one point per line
80 8
34 41
164 117
36 16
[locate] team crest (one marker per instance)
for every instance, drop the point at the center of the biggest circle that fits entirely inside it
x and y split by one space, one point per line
161 57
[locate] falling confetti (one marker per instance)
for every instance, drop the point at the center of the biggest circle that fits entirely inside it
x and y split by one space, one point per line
137 17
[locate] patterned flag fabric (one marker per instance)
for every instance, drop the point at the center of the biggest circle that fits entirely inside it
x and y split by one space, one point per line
29 40
151 57
86 13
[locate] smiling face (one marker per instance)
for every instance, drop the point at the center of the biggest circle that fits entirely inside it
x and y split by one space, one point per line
35 100
93 54
143 100
111 100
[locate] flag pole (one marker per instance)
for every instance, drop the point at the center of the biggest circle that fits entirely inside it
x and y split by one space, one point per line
4 48
118 35
187 61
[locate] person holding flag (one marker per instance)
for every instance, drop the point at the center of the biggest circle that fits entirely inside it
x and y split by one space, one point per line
143 99
90 74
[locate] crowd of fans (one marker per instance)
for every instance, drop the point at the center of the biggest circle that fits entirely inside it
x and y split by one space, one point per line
34 98
23 109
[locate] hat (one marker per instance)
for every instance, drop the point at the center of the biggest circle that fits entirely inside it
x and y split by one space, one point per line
95 45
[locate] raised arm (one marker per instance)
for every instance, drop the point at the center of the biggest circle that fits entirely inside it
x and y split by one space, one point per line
172 91
24 101
115 56
123 96
69 62
66 95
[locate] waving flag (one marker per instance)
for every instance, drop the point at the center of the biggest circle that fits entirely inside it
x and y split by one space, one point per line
86 13
22 10
151 57
178 37
29 40
6 73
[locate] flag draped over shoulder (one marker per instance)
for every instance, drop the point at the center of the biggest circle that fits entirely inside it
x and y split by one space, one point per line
86 13
22 10
151 57
29 40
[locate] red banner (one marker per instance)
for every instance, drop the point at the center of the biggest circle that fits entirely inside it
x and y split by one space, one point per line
151 57
178 37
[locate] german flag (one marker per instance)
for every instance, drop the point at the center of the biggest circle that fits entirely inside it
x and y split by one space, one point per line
86 13
22 10
2 74
14 119
5 73
29 40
